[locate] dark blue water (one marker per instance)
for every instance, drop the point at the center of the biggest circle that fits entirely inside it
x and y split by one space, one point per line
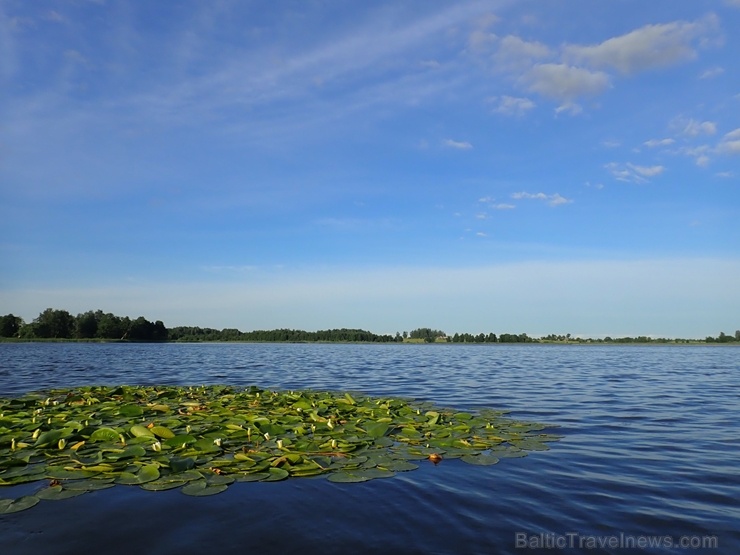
651 453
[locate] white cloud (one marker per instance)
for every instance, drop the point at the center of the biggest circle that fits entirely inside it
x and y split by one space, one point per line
700 154
729 147
732 135
565 82
515 54
490 201
52 15
460 145
649 47
652 143
552 200
569 108
513 106
693 128
712 72
725 174
610 143
646 171
633 173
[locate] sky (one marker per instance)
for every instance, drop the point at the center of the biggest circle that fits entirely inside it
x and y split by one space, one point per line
535 167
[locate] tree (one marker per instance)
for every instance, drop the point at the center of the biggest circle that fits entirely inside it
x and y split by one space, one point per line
111 326
10 325
58 324
86 325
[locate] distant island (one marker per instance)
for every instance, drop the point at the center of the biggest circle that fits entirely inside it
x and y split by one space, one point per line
55 324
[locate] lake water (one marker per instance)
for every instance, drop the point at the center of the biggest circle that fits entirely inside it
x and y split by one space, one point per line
650 453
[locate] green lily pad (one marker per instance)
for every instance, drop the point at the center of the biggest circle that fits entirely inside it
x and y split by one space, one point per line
147 473
131 410
88 485
162 485
105 434
202 489
8 506
481 460
137 430
161 431
56 493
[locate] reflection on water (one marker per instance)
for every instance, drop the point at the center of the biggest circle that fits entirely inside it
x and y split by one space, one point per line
651 449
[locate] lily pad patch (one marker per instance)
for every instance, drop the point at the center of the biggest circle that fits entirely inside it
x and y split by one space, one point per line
203 439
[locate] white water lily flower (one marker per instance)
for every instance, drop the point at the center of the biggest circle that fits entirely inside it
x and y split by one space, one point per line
280 443
267 436
157 446
217 441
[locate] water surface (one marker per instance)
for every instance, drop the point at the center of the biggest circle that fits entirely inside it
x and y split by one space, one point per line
651 453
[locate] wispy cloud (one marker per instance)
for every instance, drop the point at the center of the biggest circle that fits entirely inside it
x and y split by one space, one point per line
632 172
730 143
649 47
652 143
565 82
691 127
512 105
553 200
712 72
460 145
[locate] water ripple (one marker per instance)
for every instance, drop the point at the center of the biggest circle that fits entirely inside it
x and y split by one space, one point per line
650 447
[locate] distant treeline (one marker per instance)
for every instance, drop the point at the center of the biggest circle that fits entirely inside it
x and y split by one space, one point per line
97 325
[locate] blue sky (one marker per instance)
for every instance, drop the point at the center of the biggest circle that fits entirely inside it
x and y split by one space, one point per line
505 166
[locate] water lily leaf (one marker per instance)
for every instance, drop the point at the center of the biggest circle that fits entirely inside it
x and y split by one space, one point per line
130 410
432 417
481 460
147 473
8 506
255 477
137 430
202 489
377 429
276 474
161 431
50 438
529 445
162 485
181 464
220 480
179 441
399 466
347 477
56 493
88 485
105 434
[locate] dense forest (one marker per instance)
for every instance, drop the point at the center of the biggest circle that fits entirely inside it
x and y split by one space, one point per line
100 326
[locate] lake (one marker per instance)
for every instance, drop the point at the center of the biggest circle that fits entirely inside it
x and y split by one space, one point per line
650 455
